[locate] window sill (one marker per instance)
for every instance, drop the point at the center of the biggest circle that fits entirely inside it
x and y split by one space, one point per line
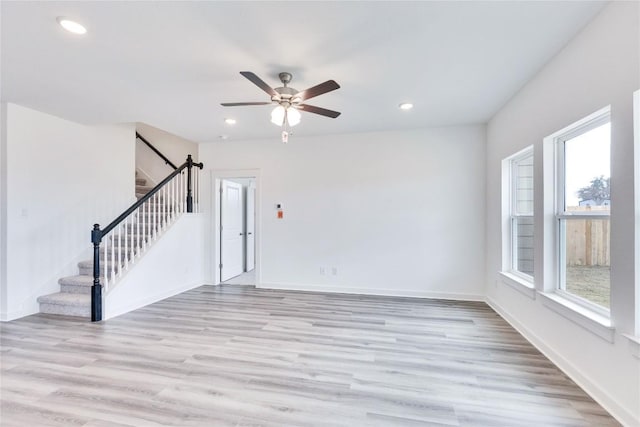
520 284
593 322
634 345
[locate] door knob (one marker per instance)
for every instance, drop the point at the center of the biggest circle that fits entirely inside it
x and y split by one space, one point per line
249 233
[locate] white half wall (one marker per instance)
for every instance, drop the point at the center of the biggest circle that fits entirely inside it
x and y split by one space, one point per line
173 147
599 67
393 213
61 178
174 264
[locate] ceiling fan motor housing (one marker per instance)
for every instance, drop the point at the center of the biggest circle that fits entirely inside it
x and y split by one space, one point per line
285 94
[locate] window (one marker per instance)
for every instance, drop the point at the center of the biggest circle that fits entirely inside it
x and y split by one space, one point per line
582 212
519 247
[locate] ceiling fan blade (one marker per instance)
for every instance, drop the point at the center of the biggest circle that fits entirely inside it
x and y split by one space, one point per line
325 87
259 82
317 110
240 104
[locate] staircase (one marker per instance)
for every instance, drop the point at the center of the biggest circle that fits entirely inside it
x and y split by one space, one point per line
74 298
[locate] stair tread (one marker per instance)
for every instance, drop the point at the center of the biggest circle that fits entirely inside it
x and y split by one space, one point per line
78 280
65 298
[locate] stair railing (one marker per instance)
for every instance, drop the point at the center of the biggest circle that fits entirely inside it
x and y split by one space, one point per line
155 150
127 237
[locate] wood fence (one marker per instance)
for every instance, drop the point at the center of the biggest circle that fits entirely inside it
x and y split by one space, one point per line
587 240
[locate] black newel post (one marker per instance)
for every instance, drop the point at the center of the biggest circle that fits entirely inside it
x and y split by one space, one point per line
189 191
96 289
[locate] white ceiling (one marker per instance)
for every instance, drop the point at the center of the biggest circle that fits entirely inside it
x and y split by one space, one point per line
171 64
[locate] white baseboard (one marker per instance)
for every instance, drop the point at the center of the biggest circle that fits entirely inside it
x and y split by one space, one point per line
369 291
620 413
13 315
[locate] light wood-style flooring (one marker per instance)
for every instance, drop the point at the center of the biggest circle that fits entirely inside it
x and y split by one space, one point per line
239 356
247 278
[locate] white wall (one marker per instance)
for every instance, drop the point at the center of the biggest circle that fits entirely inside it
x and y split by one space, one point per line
3 208
599 67
176 149
398 213
174 264
61 178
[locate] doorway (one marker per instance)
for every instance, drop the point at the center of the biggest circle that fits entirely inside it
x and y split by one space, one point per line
237 230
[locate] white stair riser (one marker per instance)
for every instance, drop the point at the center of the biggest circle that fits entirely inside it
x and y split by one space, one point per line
75 289
87 270
65 310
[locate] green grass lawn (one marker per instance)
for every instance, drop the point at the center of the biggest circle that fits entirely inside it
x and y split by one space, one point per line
591 283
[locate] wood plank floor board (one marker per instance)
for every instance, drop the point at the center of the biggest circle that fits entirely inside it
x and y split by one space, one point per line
239 356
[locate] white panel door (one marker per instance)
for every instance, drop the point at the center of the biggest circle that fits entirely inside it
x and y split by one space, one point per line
251 227
232 236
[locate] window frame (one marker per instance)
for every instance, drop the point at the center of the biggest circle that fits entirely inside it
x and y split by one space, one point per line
561 215
510 272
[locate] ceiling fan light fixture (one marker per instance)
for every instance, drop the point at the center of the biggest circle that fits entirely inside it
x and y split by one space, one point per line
277 115
293 116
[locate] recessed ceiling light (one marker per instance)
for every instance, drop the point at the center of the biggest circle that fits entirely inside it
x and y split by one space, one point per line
71 26
406 106
230 121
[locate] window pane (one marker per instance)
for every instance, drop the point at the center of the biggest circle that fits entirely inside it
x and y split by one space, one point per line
587 170
523 170
524 244
587 273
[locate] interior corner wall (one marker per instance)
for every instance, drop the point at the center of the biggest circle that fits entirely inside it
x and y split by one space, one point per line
61 178
391 213
173 147
3 207
599 67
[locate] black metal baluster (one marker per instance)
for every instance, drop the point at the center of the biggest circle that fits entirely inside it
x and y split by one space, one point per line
96 289
189 191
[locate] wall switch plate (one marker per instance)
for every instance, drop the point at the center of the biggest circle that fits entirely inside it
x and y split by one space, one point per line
334 271
322 271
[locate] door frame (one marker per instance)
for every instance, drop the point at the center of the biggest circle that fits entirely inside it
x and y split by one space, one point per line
217 176
250 217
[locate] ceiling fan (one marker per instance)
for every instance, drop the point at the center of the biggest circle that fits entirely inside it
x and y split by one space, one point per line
288 99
